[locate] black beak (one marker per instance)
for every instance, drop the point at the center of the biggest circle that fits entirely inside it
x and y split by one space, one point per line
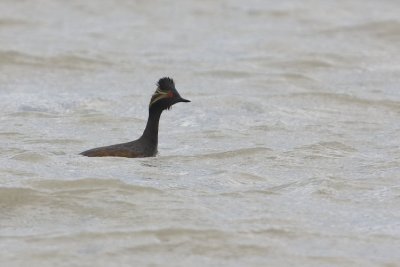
180 99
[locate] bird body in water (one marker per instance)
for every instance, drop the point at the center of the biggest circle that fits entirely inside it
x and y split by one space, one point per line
163 98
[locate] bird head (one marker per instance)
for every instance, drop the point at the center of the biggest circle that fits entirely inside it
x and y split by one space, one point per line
165 95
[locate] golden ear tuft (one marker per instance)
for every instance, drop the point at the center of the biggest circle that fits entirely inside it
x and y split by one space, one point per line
158 94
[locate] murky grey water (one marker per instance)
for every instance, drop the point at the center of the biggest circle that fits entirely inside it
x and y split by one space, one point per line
287 155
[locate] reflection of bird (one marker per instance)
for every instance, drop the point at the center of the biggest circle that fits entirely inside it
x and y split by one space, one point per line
164 97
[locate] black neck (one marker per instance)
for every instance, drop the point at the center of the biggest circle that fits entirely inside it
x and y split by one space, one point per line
151 131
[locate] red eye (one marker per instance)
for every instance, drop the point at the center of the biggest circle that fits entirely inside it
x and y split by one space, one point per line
170 94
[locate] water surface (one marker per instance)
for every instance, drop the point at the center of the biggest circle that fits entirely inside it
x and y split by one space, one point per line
287 155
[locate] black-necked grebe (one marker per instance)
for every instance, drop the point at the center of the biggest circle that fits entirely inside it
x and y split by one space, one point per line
164 97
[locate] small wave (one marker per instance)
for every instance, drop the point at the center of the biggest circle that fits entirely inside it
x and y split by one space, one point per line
54 141
273 190
389 29
11 134
12 22
350 99
304 63
226 73
243 152
92 184
160 233
12 151
272 13
294 69
236 153
19 173
34 113
12 196
103 195
326 149
30 157
296 77
278 231
61 61
247 193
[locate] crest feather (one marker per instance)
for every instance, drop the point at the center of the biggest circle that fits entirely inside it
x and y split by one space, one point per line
166 83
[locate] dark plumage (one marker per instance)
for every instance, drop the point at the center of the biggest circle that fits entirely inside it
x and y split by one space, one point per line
163 98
